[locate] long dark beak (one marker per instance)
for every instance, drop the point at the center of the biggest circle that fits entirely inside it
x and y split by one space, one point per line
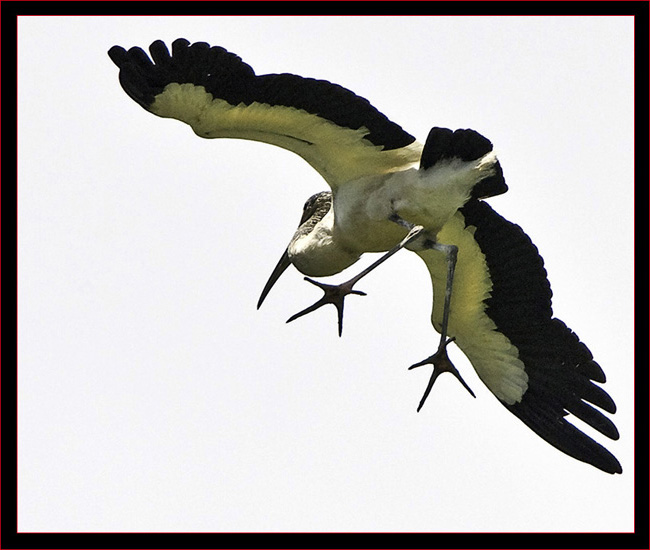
277 272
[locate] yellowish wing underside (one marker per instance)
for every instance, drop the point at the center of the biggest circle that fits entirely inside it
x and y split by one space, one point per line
493 356
339 154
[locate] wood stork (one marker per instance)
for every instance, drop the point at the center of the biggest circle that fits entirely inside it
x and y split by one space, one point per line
389 192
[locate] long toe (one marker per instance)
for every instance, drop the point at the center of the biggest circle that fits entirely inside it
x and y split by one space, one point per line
320 303
434 376
441 363
332 294
455 372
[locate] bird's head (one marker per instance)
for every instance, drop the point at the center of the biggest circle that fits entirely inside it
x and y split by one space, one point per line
314 210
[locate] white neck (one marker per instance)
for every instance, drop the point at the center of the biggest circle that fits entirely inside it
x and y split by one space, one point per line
318 254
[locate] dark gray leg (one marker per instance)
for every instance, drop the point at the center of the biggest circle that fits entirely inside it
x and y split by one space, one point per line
335 294
440 360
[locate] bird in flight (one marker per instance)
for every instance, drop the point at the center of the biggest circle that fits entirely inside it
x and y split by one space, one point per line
389 192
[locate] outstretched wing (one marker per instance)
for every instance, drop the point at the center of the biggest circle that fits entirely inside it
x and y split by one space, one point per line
502 319
339 133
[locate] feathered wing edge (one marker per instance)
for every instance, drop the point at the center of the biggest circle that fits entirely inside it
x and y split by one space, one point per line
226 76
339 133
560 368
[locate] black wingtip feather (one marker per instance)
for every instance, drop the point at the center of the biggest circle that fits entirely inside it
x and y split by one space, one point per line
226 76
118 55
560 368
159 53
558 431
592 370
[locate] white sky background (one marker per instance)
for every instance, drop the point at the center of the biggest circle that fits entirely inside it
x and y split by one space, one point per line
153 396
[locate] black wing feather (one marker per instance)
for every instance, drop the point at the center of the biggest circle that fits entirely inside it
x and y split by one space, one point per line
465 144
561 370
226 76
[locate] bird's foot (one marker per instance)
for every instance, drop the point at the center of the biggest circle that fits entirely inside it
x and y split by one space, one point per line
441 363
334 294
